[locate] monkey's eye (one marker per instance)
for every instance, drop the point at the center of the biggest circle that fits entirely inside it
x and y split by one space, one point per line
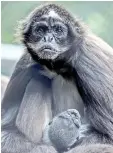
58 29
40 30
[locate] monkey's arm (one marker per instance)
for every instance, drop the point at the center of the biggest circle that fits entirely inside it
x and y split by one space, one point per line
16 136
93 148
94 79
15 142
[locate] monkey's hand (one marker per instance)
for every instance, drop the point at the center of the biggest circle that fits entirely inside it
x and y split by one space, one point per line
63 131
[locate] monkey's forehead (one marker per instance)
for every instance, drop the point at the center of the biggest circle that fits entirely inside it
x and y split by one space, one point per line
53 14
54 11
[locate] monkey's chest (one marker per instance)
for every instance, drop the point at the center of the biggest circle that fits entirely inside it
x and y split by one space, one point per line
49 97
65 96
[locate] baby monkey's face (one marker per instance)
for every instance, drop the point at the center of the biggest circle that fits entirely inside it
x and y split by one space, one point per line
63 130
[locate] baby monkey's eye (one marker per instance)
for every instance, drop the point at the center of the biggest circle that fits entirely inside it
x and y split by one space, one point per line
50 123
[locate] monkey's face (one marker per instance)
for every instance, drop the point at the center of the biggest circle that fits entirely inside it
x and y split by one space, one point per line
49 36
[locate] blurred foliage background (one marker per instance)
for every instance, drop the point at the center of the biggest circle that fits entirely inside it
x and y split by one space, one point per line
98 15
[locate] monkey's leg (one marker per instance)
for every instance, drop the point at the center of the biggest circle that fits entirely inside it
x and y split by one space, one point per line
13 141
93 148
16 143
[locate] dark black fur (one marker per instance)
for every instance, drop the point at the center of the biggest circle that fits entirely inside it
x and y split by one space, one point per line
88 64
59 66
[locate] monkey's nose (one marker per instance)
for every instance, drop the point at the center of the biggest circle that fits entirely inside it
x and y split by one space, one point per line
51 38
48 38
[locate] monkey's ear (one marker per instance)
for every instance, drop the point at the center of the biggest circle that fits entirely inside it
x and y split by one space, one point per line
80 26
26 25
22 27
29 19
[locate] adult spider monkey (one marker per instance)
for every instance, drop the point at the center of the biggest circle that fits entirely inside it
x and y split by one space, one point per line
70 69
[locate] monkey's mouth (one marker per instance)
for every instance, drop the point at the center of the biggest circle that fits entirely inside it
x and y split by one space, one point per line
48 49
47 52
